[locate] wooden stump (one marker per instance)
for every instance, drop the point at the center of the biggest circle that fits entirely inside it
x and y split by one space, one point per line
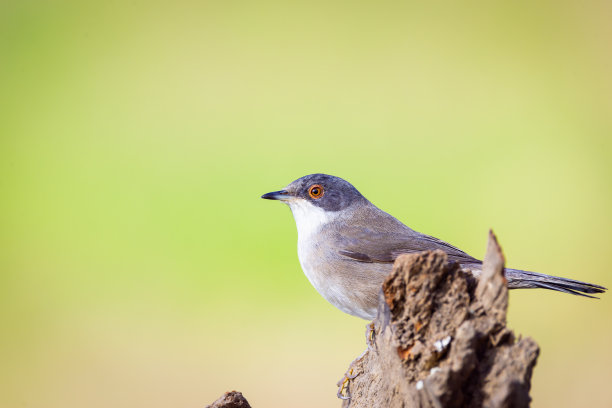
440 340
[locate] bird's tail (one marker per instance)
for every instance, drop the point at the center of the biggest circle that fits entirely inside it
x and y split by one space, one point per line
524 279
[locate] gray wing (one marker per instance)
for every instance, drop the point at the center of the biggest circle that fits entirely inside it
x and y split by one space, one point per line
365 245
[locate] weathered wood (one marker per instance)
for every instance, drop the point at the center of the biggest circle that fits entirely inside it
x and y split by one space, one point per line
231 399
440 340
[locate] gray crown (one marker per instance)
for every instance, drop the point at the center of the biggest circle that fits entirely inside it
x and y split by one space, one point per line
338 194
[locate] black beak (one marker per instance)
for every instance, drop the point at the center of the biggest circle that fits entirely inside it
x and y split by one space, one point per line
276 195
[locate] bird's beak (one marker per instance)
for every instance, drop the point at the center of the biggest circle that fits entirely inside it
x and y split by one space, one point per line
277 195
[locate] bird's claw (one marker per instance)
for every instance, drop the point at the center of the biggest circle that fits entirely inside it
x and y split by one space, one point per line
370 334
352 373
343 385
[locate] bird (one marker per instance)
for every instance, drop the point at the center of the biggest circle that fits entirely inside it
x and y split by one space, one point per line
346 246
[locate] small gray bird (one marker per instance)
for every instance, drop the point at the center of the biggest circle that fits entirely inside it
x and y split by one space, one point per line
347 246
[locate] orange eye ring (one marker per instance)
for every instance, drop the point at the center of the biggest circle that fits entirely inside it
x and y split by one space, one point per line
316 191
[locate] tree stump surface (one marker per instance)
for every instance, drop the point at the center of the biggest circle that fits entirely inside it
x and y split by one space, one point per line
440 340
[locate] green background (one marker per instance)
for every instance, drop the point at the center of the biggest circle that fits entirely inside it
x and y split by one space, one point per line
139 267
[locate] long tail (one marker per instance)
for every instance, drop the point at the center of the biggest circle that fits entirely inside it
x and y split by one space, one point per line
524 279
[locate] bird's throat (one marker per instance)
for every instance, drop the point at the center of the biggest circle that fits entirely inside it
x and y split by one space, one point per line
309 219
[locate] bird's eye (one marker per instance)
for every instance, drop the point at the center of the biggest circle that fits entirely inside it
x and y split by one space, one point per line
316 191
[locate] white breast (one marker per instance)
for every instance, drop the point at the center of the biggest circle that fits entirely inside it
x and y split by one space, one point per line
310 221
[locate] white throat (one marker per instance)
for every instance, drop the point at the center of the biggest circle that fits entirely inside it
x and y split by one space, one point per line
309 218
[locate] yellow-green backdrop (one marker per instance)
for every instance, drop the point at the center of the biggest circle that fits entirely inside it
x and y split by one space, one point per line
139 267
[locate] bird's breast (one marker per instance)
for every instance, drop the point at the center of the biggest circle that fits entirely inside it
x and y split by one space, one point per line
350 286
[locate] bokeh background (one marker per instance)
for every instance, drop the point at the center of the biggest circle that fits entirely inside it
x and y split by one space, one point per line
138 265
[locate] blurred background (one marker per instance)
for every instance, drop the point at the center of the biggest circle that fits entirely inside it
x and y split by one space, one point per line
138 265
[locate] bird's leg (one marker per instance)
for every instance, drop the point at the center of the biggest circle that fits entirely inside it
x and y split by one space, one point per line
353 371
343 385
370 333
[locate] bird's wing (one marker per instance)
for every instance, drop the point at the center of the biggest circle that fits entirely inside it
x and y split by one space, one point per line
381 247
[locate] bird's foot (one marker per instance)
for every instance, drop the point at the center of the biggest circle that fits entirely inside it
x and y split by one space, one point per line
343 385
354 370
370 334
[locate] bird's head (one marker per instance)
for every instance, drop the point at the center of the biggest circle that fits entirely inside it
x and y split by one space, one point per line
318 191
